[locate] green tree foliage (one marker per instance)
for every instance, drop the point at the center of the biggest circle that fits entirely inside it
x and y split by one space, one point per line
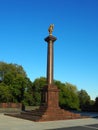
5 93
38 84
96 103
72 96
17 87
14 84
68 97
84 99
28 93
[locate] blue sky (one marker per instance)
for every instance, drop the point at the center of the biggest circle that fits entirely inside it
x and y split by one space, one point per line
24 25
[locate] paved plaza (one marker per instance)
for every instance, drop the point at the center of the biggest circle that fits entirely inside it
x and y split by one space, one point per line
11 123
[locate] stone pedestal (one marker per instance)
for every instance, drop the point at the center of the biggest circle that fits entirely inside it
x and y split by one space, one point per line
50 96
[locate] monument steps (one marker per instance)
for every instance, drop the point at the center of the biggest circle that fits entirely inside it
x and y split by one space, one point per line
48 114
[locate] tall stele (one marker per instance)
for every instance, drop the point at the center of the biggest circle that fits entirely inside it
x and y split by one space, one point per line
49 109
50 54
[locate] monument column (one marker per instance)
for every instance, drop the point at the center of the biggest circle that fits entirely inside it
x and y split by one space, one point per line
50 92
50 40
49 109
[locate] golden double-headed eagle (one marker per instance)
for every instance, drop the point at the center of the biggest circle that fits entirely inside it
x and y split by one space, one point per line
50 29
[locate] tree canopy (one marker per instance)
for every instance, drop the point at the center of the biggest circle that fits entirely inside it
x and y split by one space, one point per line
68 97
14 83
15 86
84 98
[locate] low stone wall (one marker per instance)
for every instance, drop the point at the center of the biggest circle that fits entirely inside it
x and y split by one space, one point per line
10 107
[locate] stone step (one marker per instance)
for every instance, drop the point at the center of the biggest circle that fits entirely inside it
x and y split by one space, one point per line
47 114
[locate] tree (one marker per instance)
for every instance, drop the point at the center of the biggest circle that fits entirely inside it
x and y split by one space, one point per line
5 93
96 103
28 93
84 99
38 84
72 100
68 97
14 83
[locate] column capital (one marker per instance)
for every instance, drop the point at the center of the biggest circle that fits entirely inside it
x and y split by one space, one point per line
50 37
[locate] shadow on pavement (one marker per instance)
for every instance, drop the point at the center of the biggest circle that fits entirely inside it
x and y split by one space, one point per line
72 128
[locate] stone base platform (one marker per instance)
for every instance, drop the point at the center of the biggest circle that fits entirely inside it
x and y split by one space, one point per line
47 114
